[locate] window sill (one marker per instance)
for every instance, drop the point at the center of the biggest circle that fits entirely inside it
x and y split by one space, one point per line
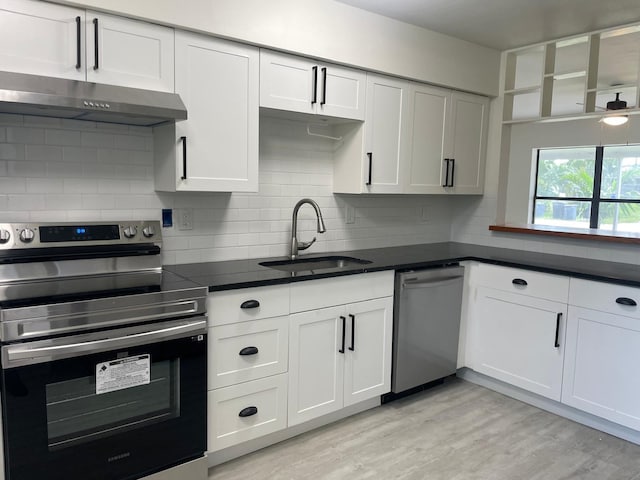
574 233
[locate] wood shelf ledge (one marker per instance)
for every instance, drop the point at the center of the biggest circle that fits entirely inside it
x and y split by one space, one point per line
566 232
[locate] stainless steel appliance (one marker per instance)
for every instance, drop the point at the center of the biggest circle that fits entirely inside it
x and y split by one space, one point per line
103 355
426 326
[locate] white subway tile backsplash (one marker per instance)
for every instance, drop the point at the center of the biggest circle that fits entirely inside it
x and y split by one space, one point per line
79 155
80 185
43 153
10 151
97 139
49 185
62 137
54 170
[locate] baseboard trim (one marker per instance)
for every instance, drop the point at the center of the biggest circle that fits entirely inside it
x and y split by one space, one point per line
549 405
226 454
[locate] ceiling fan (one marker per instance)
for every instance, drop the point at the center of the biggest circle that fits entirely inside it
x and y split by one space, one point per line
613 105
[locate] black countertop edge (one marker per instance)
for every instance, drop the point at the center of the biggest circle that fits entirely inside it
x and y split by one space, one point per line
238 274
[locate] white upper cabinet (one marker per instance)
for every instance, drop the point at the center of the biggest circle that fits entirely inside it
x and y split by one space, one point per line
216 148
129 53
301 85
429 109
369 158
57 41
415 139
42 39
467 145
447 141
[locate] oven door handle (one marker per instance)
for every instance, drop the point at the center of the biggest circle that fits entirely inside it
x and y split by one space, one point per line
24 354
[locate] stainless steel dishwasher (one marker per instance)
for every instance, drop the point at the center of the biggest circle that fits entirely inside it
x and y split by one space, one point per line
426 325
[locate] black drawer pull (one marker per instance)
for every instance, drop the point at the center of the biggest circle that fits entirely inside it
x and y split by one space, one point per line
519 281
247 412
248 351
250 304
626 301
556 343
344 328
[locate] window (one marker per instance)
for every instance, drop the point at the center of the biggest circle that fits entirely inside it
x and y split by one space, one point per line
588 187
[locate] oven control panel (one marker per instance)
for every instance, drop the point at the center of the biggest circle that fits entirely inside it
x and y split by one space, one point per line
61 234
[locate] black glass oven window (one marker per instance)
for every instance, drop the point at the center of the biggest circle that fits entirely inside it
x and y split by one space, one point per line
75 414
79 233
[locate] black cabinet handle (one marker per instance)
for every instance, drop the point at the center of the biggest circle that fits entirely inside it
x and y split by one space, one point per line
314 81
184 158
519 281
247 412
370 155
78 42
353 333
446 178
248 351
344 327
556 343
324 86
250 304
96 52
453 170
626 301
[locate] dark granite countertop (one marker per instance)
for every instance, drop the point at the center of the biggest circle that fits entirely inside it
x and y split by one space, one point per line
249 273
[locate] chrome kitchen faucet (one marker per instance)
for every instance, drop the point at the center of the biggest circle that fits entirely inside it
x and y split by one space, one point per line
295 244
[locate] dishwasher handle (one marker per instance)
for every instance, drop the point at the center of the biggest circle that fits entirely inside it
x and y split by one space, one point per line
428 283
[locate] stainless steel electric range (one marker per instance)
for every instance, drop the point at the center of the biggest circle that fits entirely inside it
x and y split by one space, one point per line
103 355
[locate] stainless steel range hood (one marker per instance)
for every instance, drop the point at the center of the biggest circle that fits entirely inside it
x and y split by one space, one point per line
58 97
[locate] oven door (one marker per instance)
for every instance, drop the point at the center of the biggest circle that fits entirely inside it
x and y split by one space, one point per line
111 405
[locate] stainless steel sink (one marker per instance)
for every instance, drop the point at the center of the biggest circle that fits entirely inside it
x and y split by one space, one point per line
315 263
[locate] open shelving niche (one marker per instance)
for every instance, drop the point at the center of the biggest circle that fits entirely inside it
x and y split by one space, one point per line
573 77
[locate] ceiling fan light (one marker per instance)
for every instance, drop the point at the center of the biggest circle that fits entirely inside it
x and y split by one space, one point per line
615 120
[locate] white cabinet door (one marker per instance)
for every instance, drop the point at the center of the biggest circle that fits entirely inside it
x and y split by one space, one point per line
368 353
384 134
288 82
316 367
297 84
129 53
519 340
600 371
218 82
42 39
467 130
341 92
429 110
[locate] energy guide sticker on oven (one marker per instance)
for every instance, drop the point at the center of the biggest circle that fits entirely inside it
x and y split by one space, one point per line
123 373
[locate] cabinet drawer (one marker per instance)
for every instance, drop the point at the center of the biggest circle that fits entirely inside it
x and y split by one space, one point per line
606 297
524 282
328 292
265 403
247 351
235 306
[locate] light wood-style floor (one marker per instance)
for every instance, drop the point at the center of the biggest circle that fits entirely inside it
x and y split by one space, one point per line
456 431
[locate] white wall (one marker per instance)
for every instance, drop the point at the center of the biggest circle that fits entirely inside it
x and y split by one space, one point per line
62 170
330 30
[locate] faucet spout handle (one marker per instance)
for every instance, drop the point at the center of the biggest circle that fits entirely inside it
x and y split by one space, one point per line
305 245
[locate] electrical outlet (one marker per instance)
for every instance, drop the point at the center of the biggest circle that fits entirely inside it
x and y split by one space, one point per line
184 219
349 214
424 215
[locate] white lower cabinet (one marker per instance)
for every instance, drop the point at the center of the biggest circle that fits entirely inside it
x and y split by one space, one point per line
519 340
281 355
246 411
338 356
603 352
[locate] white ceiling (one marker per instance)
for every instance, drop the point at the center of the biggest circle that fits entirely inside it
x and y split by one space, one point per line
506 24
